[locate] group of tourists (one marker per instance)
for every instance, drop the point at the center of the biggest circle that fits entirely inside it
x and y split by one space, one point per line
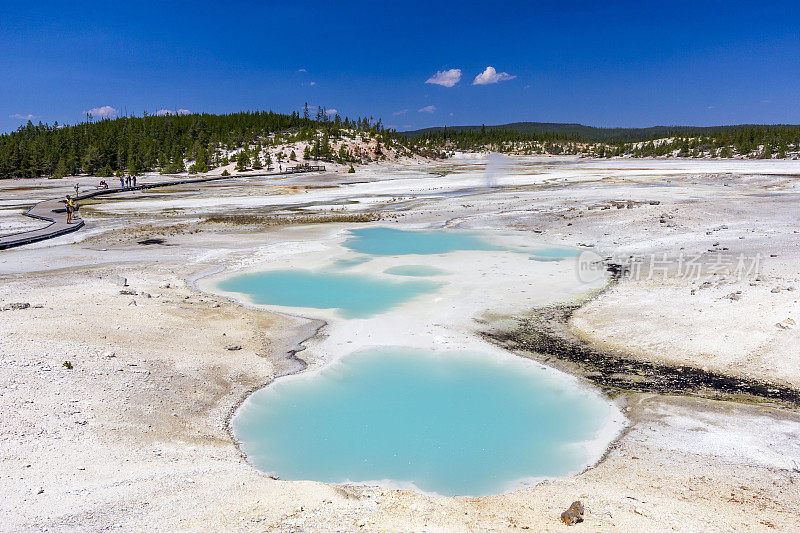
127 181
72 206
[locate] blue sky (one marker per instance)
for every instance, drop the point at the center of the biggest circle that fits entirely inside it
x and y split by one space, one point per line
611 63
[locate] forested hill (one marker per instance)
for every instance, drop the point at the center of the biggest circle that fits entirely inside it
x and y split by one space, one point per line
201 142
171 143
743 141
579 132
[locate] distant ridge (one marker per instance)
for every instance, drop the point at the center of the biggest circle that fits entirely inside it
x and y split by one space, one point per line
591 133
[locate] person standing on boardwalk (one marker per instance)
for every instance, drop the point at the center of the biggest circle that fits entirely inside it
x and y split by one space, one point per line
133 179
70 204
121 182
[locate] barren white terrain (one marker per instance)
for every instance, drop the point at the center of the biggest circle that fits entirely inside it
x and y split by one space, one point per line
135 436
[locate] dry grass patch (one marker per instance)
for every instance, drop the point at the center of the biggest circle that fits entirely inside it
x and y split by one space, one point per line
263 220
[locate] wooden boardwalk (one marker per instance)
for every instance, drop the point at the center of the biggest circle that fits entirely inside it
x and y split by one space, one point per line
53 211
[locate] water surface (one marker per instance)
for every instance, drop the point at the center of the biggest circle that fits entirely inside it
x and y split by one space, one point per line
392 241
451 423
355 296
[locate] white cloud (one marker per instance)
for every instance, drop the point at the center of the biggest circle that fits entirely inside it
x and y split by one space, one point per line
163 112
330 111
312 83
445 78
490 75
401 112
301 70
22 117
183 112
103 112
427 109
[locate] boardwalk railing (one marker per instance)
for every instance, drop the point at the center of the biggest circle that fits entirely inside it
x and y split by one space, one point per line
305 168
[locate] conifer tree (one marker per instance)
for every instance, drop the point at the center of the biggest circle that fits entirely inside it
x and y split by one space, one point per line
134 169
257 160
61 169
106 171
242 161
201 163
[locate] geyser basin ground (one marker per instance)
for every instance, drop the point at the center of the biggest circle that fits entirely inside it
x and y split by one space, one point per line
415 271
451 423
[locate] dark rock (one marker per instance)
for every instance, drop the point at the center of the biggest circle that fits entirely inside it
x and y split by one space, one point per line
148 242
128 292
233 347
544 336
16 306
574 514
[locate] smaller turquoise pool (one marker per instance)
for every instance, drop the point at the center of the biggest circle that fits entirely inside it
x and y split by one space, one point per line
355 296
391 241
416 271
